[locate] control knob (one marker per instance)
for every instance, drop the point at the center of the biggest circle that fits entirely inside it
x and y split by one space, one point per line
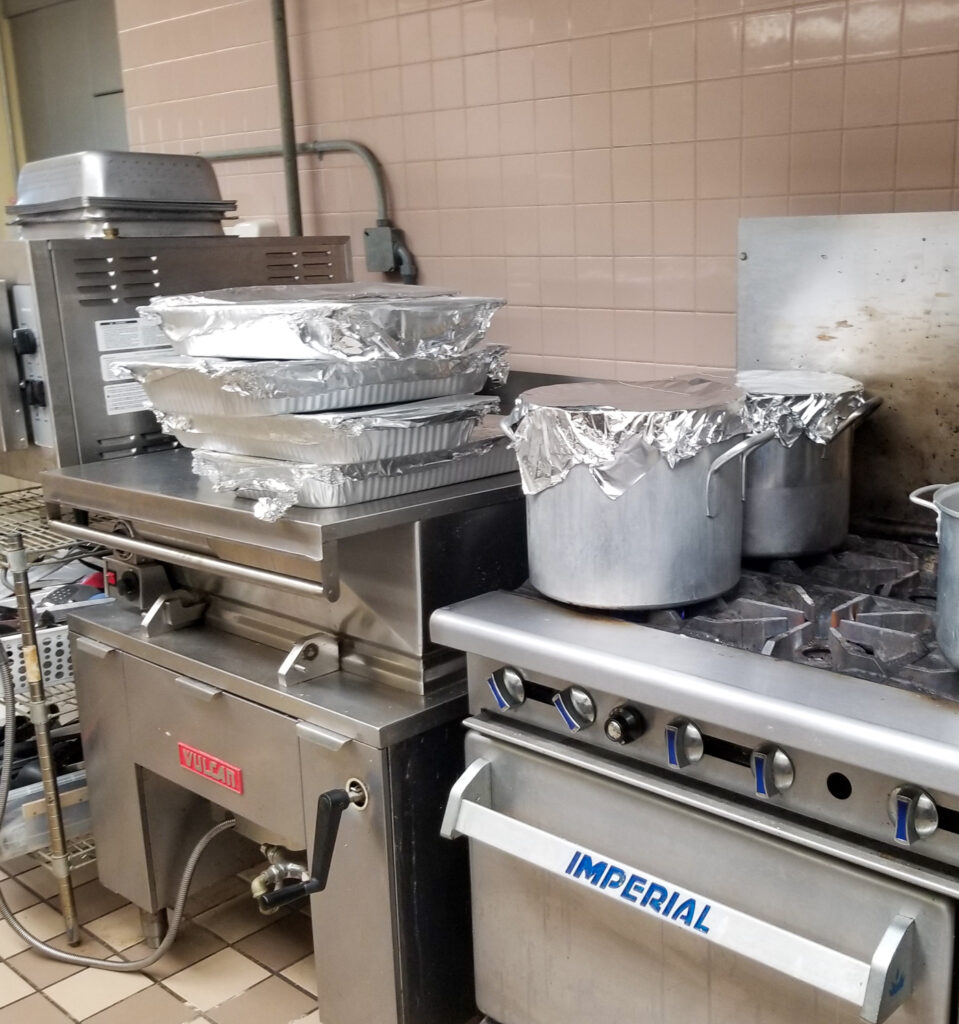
773 772
684 744
24 341
576 708
914 813
624 724
508 687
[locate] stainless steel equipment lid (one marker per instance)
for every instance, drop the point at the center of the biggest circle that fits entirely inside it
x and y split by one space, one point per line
795 382
678 394
800 403
117 175
620 430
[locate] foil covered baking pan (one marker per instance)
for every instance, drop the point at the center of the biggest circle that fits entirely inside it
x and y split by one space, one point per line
336 321
277 486
335 438
232 387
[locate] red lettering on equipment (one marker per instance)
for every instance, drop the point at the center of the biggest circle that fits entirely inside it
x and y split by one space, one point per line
210 767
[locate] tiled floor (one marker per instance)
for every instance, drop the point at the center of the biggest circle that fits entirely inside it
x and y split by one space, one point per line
230 964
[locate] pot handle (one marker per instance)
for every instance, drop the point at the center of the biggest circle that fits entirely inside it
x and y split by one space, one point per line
915 498
508 422
742 448
857 415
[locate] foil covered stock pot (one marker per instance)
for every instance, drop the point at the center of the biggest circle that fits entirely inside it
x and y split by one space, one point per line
633 491
797 488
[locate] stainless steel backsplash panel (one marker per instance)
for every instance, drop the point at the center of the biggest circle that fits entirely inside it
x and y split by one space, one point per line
874 296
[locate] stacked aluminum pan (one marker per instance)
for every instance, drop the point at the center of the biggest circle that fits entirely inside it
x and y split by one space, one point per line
97 194
369 391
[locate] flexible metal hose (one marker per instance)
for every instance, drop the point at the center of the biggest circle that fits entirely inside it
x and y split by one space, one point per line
6 680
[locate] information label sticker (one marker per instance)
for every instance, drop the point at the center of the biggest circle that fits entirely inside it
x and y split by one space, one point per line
122 398
129 333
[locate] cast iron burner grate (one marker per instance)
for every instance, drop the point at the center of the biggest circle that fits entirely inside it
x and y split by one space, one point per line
866 611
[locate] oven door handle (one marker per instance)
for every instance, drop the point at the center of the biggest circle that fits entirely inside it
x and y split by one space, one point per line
876 987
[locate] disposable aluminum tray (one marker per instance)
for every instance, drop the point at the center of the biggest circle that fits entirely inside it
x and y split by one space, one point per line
334 438
277 486
221 387
339 321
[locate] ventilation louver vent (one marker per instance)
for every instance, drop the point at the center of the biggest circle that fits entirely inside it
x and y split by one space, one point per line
134 444
300 266
112 280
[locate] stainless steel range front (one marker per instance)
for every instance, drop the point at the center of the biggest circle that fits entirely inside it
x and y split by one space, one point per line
742 810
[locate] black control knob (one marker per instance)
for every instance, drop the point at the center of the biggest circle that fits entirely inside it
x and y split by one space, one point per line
128 586
624 724
24 341
34 392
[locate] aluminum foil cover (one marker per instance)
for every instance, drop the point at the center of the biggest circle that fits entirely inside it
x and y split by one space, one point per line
339 321
307 428
798 403
303 377
279 483
619 431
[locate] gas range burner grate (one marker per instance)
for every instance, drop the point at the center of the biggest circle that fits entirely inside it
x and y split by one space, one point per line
866 611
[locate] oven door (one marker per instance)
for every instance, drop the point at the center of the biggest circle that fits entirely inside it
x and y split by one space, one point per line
595 901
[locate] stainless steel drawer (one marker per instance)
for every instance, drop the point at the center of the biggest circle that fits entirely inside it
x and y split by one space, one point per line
573 918
219 746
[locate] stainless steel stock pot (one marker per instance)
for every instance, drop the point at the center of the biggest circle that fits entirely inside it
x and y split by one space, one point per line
945 503
797 487
633 491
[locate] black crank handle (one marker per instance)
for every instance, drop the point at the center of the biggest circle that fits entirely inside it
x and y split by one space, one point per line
329 809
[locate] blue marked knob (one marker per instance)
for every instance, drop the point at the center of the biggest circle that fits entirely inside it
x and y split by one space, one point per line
773 772
507 687
576 708
684 744
914 814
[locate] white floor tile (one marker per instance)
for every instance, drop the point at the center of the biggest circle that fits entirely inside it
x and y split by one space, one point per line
10 943
119 929
93 990
217 978
235 919
12 986
42 921
303 973
41 882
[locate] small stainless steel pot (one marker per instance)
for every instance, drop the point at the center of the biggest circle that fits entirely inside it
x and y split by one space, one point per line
945 503
797 498
673 538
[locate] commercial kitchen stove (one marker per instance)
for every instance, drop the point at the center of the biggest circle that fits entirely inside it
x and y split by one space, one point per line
282 673
786 756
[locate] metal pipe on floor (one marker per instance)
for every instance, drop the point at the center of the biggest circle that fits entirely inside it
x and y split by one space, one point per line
40 718
281 48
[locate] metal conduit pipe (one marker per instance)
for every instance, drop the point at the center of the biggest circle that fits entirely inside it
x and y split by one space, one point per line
317 146
386 247
287 124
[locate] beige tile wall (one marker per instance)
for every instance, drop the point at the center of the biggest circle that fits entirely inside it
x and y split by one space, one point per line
586 158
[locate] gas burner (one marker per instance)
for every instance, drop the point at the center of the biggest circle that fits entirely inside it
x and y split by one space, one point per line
867 611
744 623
